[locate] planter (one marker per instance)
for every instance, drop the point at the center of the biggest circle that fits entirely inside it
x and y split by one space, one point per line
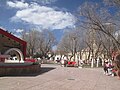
19 69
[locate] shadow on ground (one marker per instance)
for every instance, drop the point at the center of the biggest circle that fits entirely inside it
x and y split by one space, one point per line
42 71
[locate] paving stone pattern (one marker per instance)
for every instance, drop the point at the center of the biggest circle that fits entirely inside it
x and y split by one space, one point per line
55 77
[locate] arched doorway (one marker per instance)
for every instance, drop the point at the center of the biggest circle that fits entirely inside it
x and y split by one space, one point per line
16 54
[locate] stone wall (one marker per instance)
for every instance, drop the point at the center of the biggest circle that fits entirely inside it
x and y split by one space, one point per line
19 70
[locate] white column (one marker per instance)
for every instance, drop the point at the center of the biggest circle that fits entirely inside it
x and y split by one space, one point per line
102 62
97 62
92 63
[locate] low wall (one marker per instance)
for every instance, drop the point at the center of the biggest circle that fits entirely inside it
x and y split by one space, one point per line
19 70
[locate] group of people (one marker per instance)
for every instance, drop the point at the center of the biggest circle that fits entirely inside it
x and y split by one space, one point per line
112 68
109 68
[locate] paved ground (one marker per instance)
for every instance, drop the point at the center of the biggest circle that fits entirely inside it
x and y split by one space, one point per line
54 77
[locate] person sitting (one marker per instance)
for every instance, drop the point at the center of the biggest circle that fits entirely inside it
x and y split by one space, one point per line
114 70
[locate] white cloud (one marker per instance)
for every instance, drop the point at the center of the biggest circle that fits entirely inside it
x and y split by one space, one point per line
17 4
43 16
19 30
45 1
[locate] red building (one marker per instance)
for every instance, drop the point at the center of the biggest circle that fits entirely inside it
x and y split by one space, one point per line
9 42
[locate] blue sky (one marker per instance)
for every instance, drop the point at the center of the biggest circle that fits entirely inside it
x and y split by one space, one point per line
54 15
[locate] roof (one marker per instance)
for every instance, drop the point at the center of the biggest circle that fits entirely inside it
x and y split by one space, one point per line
10 41
9 35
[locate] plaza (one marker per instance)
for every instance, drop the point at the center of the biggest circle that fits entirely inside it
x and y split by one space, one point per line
55 77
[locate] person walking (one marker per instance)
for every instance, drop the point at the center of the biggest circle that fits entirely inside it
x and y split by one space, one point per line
105 67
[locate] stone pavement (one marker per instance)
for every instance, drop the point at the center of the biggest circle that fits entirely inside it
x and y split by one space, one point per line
54 77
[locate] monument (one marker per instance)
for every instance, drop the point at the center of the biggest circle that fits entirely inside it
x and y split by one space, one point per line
12 56
12 49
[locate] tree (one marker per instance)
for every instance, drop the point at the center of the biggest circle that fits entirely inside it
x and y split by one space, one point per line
45 43
39 44
31 39
99 19
113 2
71 42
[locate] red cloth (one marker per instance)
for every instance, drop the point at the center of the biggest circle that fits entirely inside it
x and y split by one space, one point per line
30 60
71 62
